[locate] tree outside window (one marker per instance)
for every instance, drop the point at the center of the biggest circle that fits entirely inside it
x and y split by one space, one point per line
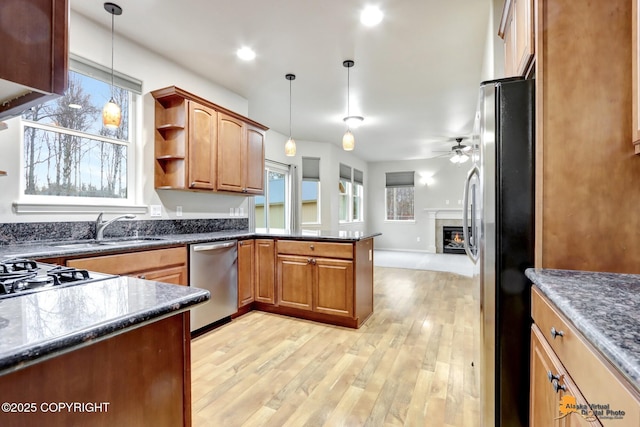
67 150
399 196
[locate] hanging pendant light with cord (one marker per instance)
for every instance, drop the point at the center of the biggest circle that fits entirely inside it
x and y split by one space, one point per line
348 141
111 112
290 145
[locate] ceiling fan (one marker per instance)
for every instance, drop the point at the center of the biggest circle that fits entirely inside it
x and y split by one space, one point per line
458 153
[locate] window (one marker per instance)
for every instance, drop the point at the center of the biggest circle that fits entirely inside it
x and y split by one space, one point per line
67 150
344 186
273 209
399 196
351 194
358 195
310 190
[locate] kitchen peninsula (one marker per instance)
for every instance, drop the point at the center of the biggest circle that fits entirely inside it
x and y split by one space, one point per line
109 352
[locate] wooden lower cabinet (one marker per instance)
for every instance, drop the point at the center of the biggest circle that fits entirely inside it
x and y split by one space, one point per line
142 377
265 274
246 272
295 282
163 265
333 286
550 383
557 347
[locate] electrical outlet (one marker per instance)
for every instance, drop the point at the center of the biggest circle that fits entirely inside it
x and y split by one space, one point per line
446 202
459 202
178 210
155 210
418 239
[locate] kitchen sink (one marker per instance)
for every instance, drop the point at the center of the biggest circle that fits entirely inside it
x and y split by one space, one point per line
110 242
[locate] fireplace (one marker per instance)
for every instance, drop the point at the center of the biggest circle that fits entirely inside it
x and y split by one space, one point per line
452 240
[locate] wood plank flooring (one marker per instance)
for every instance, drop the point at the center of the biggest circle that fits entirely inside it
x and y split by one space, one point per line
409 365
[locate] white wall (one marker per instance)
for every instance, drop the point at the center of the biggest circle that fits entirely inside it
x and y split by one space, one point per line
91 41
493 60
446 182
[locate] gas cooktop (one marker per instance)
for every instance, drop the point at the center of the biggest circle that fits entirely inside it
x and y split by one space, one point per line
19 276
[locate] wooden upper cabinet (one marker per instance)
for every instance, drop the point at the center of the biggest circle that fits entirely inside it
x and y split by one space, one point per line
635 77
254 168
231 144
202 146
517 30
35 53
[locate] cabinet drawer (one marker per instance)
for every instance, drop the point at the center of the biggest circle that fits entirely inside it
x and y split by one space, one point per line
598 380
320 249
134 262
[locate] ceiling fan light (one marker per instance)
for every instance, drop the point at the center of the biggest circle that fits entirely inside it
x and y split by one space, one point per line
353 122
463 158
111 115
455 158
290 147
348 141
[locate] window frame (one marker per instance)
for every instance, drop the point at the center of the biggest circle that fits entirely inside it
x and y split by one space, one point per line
32 203
391 183
271 166
350 194
316 180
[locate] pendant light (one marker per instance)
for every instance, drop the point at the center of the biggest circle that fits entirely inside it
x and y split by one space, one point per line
111 112
348 141
290 145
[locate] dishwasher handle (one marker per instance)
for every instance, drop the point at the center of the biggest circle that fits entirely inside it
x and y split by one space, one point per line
213 246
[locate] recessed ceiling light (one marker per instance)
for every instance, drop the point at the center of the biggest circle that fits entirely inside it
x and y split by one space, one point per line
246 53
371 16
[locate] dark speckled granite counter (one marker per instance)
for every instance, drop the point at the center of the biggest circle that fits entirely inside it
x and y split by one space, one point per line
604 307
54 249
42 325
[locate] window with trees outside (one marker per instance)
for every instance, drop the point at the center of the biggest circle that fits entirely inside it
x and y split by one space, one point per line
399 196
351 191
310 190
67 152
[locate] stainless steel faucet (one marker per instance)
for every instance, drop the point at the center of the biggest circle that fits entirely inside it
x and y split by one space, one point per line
101 225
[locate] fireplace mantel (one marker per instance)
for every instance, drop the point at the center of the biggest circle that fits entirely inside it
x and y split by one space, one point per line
434 214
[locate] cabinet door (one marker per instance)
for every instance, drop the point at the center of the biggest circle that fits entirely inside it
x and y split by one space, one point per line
333 287
265 279
254 164
518 37
231 144
174 275
635 75
547 374
295 276
34 53
202 146
246 272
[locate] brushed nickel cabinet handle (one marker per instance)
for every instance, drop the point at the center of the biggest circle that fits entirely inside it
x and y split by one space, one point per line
555 333
312 247
552 377
557 386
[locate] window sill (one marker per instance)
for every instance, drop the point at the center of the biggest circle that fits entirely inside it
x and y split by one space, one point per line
401 221
76 208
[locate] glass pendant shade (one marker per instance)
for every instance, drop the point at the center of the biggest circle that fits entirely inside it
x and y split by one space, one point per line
348 141
290 147
111 115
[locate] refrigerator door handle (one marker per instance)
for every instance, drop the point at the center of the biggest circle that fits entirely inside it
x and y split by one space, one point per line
474 256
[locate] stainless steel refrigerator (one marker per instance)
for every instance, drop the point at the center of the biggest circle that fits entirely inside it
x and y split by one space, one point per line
499 210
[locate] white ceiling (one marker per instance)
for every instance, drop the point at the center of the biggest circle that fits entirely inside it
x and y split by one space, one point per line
415 78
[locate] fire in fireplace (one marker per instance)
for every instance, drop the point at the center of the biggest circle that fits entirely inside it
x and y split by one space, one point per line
452 240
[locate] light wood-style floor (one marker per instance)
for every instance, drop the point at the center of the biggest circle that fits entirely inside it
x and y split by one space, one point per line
410 364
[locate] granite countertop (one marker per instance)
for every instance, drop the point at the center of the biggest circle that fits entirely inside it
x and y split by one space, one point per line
44 324
46 249
604 307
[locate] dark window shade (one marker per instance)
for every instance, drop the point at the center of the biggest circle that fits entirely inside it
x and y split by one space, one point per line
357 177
100 72
400 179
345 172
311 168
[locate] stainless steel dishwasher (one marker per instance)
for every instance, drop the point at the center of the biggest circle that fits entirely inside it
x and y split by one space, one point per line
213 266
